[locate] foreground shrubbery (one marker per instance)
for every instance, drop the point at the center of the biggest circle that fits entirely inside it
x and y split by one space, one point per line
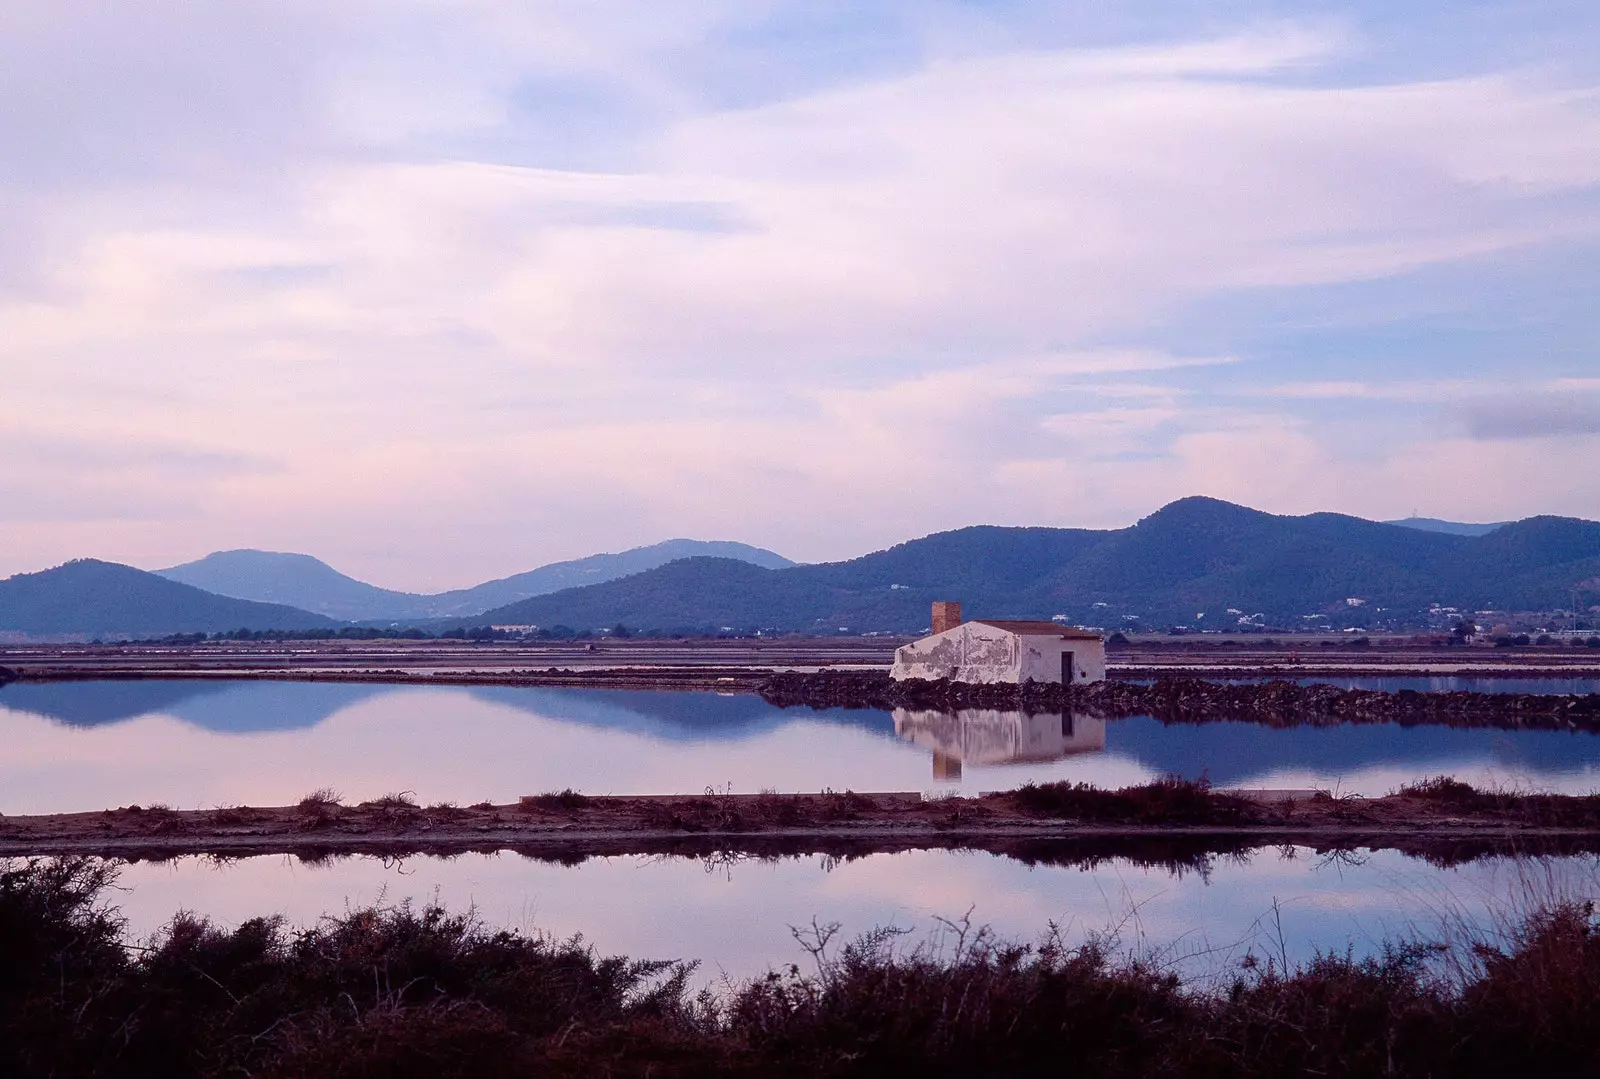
405 992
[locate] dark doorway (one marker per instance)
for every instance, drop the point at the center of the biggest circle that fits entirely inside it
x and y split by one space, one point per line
1066 668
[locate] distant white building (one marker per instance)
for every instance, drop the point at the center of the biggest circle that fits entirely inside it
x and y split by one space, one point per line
1001 650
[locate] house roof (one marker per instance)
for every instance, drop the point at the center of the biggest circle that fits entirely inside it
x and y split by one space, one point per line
1037 629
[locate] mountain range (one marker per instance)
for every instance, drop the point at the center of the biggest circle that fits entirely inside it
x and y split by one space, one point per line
1454 528
1198 561
302 581
91 598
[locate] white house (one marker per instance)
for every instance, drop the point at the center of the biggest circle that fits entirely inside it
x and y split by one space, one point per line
1001 650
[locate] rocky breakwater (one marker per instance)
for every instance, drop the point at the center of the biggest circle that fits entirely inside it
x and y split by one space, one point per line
1188 700
7 675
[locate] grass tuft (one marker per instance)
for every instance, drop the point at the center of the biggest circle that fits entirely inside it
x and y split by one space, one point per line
1171 800
567 799
322 798
392 800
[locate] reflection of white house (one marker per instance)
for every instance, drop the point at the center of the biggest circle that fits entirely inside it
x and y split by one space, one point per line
989 736
991 650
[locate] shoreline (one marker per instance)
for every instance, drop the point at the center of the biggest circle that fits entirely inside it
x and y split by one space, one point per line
1441 819
1275 702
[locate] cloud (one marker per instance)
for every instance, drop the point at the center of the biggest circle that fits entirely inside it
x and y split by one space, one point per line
357 242
1369 391
1534 415
51 477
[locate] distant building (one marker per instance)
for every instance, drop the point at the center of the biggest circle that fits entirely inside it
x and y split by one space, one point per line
1001 650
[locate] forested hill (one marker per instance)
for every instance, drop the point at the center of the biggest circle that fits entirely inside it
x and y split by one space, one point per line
302 581
297 580
594 569
106 599
1198 561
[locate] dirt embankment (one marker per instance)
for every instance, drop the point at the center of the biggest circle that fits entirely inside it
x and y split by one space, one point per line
1188 700
1172 700
1442 819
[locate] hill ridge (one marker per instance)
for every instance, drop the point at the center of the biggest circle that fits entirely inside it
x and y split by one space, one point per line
1199 561
307 582
89 597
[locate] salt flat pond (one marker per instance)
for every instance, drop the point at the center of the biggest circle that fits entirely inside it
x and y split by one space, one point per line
197 744
736 915
1437 683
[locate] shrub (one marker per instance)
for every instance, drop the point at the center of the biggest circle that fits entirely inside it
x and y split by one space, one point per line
416 991
1171 800
567 799
392 800
322 797
1440 789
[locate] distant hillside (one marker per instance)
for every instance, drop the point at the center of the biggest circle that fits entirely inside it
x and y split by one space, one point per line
1188 563
297 580
311 584
594 569
1452 528
105 599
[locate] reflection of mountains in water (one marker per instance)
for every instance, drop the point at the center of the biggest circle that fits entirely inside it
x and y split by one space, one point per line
222 706
241 707
991 736
673 715
1228 752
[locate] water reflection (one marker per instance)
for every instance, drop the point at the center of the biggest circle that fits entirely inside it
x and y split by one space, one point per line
990 736
735 914
226 706
89 745
1436 683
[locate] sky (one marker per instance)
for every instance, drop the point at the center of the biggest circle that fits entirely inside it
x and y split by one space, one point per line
441 291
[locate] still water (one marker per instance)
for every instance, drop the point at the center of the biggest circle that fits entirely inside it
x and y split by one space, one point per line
90 745
737 916
1438 683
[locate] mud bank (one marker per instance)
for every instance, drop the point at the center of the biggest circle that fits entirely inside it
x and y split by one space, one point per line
1442 820
1192 700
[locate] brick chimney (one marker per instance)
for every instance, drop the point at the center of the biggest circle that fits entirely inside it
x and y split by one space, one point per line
946 615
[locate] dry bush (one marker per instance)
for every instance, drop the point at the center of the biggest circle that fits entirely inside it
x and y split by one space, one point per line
565 800
232 814
1171 800
392 801
417 991
1549 810
322 798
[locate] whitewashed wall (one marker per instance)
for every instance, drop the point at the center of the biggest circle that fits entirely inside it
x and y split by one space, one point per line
974 652
1041 659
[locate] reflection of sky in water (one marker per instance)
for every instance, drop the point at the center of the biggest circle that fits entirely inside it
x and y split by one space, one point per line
737 917
88 745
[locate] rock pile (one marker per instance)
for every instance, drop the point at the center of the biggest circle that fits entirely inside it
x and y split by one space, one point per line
1188 700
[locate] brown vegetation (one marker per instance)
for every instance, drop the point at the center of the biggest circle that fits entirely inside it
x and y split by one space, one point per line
1166 801
405 992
